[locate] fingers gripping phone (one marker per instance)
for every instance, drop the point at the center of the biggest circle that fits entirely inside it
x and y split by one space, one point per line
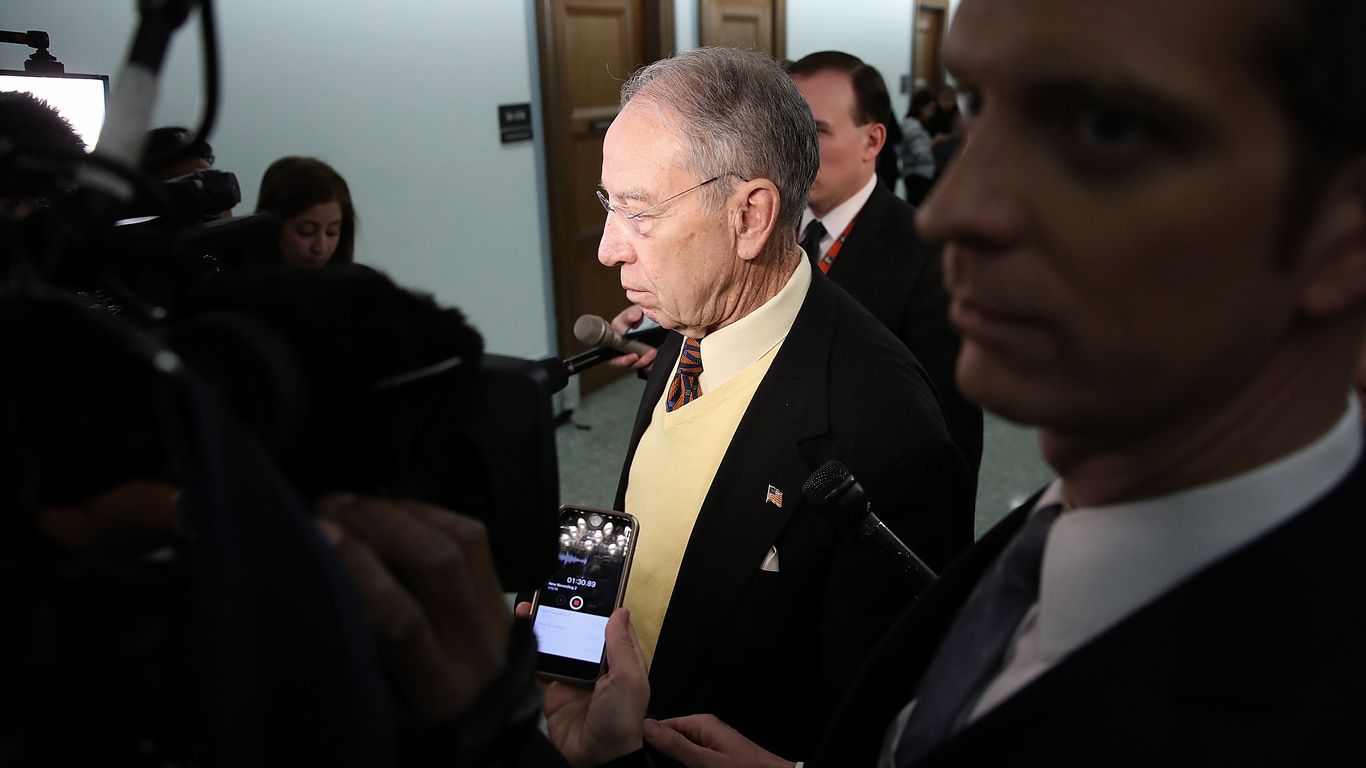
569 612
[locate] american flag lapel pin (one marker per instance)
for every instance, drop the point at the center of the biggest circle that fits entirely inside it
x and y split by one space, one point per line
774 497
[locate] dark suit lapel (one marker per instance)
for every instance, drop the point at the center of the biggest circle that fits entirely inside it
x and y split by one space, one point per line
737 526
864 248
888 679
1188 651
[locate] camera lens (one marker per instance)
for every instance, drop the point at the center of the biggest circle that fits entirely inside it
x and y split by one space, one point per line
595 521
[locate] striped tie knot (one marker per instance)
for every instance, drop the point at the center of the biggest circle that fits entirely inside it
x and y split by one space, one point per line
686 385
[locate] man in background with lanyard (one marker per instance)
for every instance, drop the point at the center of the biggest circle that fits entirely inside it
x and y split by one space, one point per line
864 237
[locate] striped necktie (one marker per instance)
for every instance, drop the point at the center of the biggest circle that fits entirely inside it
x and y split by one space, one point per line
686 386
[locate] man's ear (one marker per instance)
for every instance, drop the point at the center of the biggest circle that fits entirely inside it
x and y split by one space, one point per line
756 218
1335 248
875 138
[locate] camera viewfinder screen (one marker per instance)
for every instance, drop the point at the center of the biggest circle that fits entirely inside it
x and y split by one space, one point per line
79 98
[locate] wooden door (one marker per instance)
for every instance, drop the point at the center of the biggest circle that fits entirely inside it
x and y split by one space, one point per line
588 48
756 24
928 70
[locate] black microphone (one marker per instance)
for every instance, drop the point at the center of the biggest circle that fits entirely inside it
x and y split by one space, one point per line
833 489
594 331
587 359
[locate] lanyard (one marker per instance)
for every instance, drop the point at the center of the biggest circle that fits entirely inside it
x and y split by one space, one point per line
828 260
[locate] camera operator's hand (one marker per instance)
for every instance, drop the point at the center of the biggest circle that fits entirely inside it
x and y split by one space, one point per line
426 579
131 517
591 727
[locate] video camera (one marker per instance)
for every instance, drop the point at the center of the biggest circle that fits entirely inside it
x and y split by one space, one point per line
298 355
249 391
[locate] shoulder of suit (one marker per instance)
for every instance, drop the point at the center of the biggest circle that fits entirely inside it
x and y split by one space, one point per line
859 341
893 217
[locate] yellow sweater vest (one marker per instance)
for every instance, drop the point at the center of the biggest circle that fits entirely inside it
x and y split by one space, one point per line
670 475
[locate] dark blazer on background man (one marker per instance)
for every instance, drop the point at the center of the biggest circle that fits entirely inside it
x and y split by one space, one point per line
770 652
1255 660
900 279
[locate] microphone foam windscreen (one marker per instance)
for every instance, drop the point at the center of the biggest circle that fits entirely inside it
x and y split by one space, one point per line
824 481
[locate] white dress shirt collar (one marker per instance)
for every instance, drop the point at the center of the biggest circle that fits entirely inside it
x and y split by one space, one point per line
839 217
729 350
1103 563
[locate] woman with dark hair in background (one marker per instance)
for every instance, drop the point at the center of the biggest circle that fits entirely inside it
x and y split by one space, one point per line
917 156
317 221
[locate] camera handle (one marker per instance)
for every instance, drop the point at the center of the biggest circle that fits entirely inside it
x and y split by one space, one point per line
131 102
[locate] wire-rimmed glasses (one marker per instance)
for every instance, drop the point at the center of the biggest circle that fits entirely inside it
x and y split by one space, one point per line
635 218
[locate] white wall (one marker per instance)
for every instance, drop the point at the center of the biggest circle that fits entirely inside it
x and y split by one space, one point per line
686 33
400 97
877 31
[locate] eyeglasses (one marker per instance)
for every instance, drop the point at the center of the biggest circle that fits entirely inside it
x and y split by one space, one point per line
636 218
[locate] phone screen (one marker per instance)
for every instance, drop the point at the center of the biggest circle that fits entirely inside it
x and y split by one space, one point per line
573 605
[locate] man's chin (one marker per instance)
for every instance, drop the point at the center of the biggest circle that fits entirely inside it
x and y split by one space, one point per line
987 381
659 319
817 202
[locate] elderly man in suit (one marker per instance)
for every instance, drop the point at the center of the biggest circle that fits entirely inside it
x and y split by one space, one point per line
864 238
747 599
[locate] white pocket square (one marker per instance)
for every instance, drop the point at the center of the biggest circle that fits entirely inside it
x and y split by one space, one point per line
770 563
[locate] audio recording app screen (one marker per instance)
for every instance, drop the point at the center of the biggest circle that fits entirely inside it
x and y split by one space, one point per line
575 602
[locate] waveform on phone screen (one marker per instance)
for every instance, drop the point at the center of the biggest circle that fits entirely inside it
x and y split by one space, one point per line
568 558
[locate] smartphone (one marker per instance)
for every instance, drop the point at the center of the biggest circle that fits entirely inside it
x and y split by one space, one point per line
569 612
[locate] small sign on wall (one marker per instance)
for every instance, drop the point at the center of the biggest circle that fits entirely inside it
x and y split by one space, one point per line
514 122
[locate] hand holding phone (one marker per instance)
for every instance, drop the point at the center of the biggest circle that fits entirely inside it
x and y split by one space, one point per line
592 726
570 611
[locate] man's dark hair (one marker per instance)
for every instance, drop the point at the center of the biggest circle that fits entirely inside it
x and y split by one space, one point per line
872 104
1314 56
29 124
1311 54
172 142
921 98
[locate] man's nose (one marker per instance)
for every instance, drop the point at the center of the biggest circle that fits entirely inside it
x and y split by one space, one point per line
613 249
977 200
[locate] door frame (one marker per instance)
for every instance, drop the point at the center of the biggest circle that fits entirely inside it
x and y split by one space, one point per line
659 41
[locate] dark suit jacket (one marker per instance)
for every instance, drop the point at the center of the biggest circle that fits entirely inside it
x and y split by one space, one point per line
900 279
1259 659
768 652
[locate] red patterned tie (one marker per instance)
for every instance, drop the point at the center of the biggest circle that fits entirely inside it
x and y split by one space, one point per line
686 387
